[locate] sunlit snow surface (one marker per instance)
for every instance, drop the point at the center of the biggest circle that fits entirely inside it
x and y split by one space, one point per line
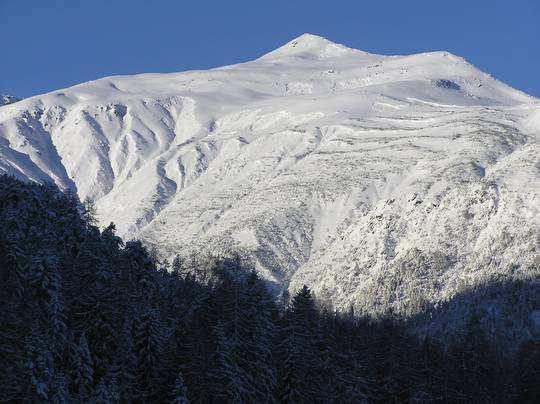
378 180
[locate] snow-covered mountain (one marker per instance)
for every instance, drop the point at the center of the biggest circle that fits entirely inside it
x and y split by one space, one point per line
380 181
7 99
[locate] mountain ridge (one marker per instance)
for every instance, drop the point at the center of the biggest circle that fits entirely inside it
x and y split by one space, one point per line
6 99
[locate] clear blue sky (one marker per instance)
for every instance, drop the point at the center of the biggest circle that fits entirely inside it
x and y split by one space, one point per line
50 44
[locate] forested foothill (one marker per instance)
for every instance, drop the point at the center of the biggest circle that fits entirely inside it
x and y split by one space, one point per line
87 317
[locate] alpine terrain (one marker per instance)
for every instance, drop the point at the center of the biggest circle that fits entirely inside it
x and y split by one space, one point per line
381 182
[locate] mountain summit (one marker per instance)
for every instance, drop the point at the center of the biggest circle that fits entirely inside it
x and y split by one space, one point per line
311 45
383 182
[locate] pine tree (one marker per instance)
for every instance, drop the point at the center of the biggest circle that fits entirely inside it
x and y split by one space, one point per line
148 351
342 360
228 381
300 363
89 212
84 372
257 312
196 353
96 308
46 285
176 267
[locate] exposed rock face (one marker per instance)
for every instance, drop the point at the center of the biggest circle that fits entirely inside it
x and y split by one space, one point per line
380 181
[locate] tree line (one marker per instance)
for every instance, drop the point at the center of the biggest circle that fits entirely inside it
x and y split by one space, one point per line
88 318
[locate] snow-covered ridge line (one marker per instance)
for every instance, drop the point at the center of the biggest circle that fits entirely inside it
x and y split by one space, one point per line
7 99
330 166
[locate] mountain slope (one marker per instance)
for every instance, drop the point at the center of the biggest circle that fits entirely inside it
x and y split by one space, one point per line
381 181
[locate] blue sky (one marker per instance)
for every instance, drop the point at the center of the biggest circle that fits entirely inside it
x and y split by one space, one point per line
51 44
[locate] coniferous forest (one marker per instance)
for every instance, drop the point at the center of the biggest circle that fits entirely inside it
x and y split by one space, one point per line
86 317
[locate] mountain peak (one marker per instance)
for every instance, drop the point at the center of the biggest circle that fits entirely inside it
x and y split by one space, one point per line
309 40
313 162
310 45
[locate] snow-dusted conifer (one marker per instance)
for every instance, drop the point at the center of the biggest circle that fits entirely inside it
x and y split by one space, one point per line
39 366
149 344
227 379
85 380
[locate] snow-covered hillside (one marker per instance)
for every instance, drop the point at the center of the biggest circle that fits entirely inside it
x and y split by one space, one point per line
380 181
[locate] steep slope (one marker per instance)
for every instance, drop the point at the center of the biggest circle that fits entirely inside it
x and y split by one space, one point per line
380 181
